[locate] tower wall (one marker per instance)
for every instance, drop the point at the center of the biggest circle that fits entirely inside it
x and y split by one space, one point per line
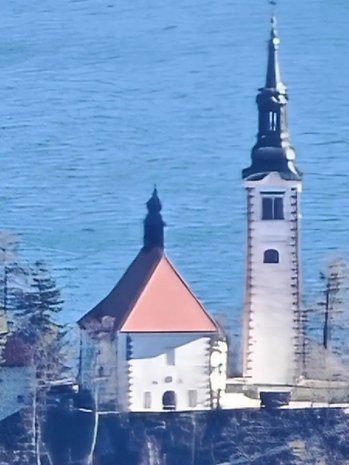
272 327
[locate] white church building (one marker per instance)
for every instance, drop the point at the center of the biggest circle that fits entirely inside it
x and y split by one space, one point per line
150 345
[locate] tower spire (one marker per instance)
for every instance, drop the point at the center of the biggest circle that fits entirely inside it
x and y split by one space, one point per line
273 339
273 150
273 78
153 223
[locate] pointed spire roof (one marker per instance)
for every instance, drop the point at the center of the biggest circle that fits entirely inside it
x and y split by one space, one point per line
151 296
273 77
273 151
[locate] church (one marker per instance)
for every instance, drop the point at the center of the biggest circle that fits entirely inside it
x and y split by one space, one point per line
150 345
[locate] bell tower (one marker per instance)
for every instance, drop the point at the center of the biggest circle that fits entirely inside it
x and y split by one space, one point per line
272 323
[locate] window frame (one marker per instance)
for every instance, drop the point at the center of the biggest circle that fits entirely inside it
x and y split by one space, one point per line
273 121
272 206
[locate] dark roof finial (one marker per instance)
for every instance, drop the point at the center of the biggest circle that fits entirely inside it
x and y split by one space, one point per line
154 204
153 223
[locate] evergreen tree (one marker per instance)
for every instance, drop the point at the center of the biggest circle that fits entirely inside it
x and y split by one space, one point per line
8 245
30 303
40 305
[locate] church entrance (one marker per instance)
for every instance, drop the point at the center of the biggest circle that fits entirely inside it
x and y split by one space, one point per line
169 400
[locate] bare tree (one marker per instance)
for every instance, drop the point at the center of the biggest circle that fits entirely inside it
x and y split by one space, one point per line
332 303
324 323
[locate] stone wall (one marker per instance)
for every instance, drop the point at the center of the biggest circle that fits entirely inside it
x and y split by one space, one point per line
255 436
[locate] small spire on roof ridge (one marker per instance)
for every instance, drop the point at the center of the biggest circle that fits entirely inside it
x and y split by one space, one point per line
154 204
153 223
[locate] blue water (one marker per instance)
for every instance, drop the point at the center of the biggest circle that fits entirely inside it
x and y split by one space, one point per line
100 99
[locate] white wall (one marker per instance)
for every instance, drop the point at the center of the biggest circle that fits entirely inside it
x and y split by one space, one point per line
218 370
271 315
123 367
15 389
149 370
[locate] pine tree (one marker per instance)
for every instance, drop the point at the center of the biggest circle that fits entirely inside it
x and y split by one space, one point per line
30 303
8 259
44 303
40 305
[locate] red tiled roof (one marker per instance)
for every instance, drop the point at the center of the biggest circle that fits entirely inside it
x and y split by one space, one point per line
152 297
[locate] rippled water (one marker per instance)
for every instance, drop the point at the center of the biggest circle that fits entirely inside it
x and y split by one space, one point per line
100 99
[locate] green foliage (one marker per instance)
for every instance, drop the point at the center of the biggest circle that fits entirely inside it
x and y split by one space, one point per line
31 304
42 304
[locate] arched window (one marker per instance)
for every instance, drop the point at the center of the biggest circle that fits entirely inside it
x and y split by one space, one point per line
169 400
272 121
271 256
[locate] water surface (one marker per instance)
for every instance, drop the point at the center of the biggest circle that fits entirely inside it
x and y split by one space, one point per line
100 99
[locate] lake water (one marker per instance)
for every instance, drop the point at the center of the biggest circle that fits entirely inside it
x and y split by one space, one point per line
100 99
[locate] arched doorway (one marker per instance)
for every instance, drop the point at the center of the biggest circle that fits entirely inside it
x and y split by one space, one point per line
169 400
